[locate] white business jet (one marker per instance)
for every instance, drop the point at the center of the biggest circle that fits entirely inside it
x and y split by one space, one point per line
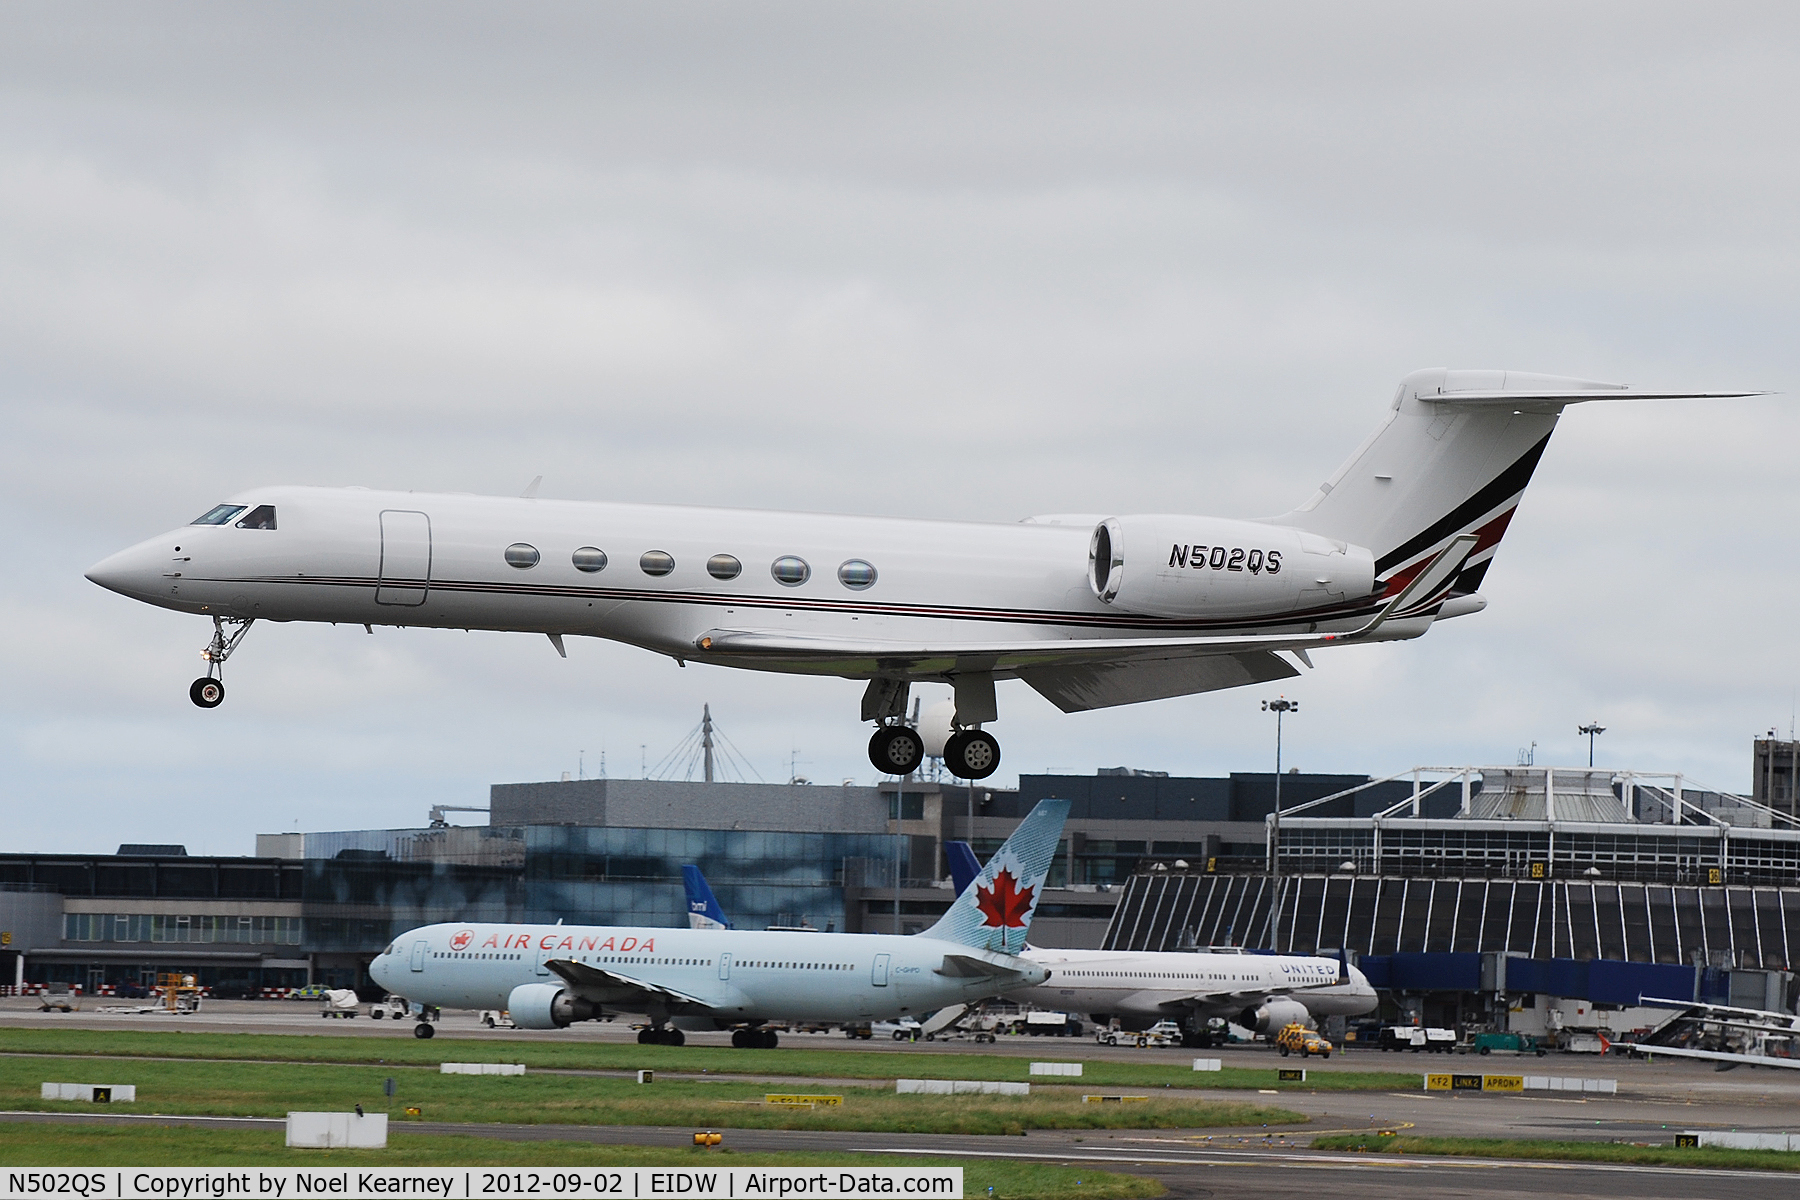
548 976
1091 611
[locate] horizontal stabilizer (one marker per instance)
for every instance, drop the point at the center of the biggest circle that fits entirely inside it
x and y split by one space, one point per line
964 966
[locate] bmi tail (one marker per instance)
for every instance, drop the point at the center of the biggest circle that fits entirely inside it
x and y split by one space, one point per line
995 914
964 866
1452 457
703 907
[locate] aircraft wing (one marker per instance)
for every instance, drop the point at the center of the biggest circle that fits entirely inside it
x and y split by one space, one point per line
611 987
1227 1003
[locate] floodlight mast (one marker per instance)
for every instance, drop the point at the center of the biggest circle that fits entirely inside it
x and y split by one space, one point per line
1281 706
1592 730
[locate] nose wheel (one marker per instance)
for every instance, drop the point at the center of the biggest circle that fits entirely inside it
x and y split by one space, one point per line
209 690
897 750
972 754
423 1030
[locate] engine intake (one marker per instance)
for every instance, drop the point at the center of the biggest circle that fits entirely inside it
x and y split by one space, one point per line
1174 566
548 1006
1272 1017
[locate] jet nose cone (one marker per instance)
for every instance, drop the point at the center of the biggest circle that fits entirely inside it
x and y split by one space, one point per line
136 572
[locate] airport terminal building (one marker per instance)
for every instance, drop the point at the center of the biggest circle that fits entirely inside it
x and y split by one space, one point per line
1464 893
316 907
1483 888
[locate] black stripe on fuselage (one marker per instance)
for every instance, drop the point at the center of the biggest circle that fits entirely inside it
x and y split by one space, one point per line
1503 487
1348 610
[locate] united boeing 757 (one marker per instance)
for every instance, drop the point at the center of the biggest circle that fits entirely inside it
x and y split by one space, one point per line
549 976
1090 610
1262 992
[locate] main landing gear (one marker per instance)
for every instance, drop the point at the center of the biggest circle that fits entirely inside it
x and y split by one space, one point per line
755 1039
896 748
209 691
972 754
653 1035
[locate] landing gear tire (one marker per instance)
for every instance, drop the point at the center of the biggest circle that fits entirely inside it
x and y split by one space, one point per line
422 1030
896 750
767 1039
207 693
972 754
661 1037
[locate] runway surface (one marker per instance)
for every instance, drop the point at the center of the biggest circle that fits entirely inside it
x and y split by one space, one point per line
1655 1100
1189 1164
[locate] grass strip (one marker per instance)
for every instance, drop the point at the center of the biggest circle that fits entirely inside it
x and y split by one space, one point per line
1547 1151
23 1145
249 1089
795 1060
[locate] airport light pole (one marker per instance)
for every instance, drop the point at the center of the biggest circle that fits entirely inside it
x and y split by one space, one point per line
1281 707
1592 730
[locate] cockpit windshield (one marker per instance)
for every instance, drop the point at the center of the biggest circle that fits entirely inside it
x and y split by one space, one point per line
261 517
219 515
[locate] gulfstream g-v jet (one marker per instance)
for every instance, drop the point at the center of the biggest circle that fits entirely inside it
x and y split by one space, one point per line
1091 611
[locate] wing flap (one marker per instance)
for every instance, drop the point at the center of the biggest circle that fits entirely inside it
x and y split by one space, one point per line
1079 687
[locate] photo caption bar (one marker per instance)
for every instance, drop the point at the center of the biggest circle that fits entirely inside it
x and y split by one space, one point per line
481 1183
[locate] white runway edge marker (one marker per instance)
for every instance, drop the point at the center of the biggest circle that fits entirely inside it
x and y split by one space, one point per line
959 1087
481 1068
1056 1068
702 1181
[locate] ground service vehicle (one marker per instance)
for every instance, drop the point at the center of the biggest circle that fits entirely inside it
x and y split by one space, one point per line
1505 1043
1298 1039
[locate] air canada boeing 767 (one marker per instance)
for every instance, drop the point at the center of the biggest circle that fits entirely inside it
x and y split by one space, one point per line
1089 610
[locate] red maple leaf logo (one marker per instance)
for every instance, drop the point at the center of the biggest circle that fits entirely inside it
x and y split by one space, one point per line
1006 904
463 938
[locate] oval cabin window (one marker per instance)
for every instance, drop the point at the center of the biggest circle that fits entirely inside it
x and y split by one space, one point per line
522 556
790 571
723 566
856 575
657 562
589 559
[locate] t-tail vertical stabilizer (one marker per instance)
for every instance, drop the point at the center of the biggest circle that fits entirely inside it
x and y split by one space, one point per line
703 907
1452 457
995 914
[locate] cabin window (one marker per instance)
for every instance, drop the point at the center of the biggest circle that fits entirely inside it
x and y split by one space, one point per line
657 562
856 575
522 556
589 559
261 517
723 566
790 571
219 515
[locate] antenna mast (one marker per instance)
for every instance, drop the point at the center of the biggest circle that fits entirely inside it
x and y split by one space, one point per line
706 742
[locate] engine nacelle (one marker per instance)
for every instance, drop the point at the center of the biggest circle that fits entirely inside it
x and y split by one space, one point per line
547 1006
1173 566
1272 1017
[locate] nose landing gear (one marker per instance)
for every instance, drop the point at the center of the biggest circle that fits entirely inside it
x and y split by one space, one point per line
209 690
424 1030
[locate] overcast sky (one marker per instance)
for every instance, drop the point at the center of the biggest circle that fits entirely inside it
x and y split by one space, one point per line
940 260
